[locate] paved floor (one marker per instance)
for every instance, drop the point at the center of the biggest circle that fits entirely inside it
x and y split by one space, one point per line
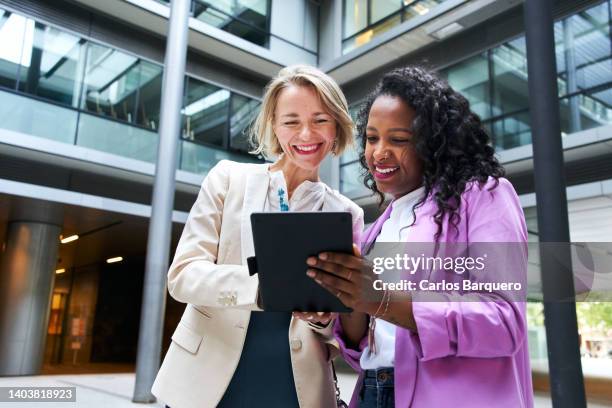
115 390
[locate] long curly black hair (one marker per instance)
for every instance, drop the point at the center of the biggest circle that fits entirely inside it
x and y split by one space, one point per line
448 137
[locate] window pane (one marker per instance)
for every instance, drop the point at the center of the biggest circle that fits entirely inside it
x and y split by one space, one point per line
205 113
33 117
111 82
383 8
247 19
471 79
511 131
149 95
509 76
591 45
586 111
355 16
351 181
49 64
311 26
199 159
117 138
418 8
12 34
243 113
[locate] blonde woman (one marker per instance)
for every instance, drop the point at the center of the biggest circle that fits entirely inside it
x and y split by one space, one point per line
226 352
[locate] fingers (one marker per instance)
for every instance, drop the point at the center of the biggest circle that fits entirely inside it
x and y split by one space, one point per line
349 261
332 268
344 297
332 281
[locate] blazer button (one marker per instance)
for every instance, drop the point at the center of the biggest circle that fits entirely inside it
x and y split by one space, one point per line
295 344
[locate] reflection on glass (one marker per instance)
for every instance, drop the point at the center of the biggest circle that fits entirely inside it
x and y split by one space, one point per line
199 159
366 19
12 34
243 113
355 16
351 181
419 8
495 82
48 58
382 8
33 117
111 81
247 19
117 138
205 113
511 131
471 78
149 95
509 77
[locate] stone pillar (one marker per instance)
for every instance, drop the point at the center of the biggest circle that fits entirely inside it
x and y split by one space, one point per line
27 271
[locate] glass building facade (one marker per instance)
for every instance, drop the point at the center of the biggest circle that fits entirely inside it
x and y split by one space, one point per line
60 86
363 20
247 19
495 83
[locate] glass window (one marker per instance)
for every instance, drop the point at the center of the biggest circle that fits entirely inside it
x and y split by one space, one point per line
205 113
471 79
37 118
511 131
311 26
111 83
417 8
12 34
247 19
149 95
383 8
509 77
591 45
117 138
242 114
199 159
355 16
351 181
50 62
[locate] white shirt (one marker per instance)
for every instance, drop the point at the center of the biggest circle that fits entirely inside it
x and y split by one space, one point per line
308 196
395 229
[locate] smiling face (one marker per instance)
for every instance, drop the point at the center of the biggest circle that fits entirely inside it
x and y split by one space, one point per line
389 152
304 128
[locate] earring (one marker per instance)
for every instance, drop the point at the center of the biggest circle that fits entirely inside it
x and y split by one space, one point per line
334 146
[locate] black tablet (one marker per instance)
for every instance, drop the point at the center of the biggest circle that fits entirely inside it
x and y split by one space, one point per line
283 241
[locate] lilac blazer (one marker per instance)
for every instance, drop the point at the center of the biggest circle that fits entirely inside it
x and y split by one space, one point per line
464 354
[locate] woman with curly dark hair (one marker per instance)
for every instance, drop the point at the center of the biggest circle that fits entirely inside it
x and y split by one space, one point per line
423 145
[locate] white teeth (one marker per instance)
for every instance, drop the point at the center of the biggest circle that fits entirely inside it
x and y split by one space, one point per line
307 148
386 170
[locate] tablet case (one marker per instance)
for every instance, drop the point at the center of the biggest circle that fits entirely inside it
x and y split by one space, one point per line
283 241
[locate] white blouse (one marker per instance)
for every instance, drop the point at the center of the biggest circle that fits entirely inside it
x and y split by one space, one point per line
308 196
395 229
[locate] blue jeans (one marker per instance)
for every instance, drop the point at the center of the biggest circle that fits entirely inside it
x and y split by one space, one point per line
377 389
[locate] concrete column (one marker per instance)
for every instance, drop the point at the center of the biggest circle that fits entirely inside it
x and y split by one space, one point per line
566 379
160 227
27 271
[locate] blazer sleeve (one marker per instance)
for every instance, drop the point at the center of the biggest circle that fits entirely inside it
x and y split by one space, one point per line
194 276
489 324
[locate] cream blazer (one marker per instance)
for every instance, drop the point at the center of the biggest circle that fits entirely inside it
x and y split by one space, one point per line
209 273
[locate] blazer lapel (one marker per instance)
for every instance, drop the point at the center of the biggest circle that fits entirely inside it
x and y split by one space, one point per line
254 200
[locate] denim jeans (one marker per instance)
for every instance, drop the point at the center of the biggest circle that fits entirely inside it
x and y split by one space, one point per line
377 389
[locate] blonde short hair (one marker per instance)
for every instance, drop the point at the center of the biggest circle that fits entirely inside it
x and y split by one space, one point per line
262 134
